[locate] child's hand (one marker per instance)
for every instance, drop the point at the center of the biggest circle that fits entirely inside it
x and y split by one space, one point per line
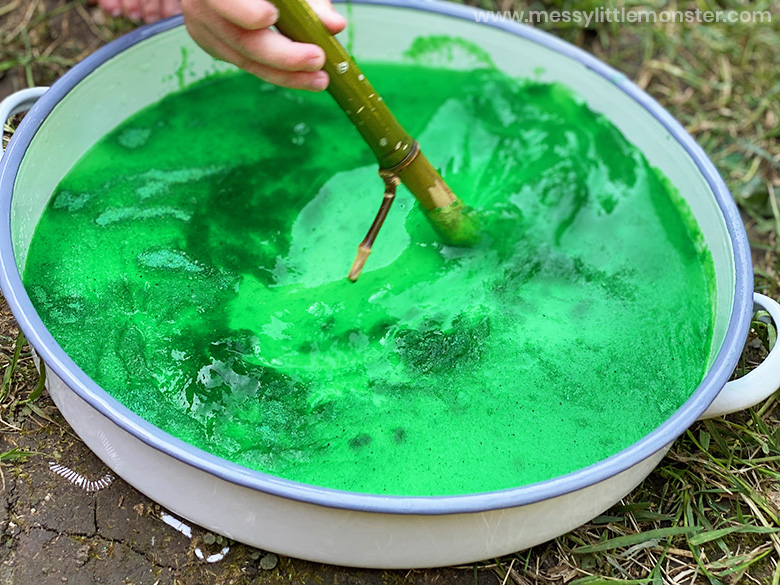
146 10
238 31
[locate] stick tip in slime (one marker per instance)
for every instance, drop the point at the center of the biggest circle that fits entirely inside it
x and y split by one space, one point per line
360 261
456 223
391 183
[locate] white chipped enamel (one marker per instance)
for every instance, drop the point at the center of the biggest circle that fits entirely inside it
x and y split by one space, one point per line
79 480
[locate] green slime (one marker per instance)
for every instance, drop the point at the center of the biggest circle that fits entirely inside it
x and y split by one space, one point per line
193 263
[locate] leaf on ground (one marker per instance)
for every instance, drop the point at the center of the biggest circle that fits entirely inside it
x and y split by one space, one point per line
35 394
700 539
16 454
9 371
632 539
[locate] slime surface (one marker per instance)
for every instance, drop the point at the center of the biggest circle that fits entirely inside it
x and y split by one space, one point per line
193 263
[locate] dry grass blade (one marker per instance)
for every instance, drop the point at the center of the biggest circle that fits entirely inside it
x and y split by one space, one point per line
5 387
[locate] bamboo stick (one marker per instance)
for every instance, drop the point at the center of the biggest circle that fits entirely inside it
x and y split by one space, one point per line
398 153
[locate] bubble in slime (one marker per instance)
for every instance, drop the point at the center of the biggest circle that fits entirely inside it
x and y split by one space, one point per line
193 264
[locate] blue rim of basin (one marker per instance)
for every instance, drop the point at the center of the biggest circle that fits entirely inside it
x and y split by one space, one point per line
58 362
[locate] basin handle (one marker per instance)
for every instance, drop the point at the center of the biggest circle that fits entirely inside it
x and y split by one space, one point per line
756 385
19 101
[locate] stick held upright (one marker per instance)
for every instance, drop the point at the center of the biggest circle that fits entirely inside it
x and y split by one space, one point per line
396 151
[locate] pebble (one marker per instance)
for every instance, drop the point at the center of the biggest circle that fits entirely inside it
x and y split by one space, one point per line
269 562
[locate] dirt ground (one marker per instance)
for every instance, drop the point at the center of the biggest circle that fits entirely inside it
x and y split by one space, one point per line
55 532
52 531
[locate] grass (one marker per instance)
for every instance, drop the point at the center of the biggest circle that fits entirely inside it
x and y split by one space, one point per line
710 513
21 385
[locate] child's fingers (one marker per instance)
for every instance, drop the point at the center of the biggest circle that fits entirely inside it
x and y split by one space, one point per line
246 14
147 10
151 10
267 47
307 80
170 7
112 7
132 9
332 20
238 31
258 14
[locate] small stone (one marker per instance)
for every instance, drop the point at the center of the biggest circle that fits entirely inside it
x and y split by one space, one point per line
82 555
269 562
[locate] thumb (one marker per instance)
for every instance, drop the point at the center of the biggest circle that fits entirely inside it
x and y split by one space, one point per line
332 20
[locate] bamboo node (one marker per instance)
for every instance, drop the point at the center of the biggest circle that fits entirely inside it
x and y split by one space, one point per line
408 159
